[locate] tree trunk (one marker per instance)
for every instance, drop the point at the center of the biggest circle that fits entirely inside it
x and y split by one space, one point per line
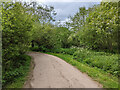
32 43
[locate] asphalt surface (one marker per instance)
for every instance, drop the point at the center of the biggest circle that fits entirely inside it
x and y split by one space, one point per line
52 72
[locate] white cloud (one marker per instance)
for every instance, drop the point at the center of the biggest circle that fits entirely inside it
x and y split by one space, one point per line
64 21
67 20
58 10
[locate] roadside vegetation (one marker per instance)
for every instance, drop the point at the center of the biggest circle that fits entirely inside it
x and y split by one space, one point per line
106 79
19 76
88 41
101 66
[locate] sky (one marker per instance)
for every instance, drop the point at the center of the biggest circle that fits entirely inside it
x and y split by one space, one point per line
66 8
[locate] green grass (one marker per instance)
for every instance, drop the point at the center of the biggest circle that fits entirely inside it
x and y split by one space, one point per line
106 61
19 81
104 78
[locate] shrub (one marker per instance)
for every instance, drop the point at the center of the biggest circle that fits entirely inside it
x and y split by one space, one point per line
65 50
105 61
81 54
15 72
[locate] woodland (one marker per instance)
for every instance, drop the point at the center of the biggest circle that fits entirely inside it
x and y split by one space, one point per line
90 36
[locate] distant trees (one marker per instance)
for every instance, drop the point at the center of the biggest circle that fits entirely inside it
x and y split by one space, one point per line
63 34
44 36
78 20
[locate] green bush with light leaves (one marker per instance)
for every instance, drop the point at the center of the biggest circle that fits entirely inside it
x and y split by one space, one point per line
101 28
105 61
16 24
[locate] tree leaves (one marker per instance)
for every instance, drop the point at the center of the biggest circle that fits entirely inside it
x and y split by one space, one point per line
96 27
15 26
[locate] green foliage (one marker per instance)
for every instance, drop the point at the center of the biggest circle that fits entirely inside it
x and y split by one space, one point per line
73 40
101 29
48 37
63 35
65 50
35 48
17 72
16 24
97 27
45 36
78 20
105 61
81 54
17 76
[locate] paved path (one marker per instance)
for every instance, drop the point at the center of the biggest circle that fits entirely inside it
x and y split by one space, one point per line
52 72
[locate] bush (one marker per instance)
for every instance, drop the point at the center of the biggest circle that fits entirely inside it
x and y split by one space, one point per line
81 54
69 51
105 61
16 25
34 49
15 72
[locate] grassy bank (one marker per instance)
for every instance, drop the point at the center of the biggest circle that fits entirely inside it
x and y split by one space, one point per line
106 79
23 71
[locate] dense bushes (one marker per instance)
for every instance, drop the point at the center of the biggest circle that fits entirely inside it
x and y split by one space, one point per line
16 24
47 38
102 29
20 69
63 34
105 61
65 50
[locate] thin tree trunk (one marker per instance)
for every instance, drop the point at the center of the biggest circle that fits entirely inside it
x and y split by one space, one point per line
32 43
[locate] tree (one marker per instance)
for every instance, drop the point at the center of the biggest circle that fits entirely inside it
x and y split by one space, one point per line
16 25
101 27
40 13
78 20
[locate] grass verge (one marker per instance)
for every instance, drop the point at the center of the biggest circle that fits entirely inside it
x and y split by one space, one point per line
18 82
107 80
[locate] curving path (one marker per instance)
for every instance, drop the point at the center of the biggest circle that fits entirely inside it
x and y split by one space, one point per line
52 72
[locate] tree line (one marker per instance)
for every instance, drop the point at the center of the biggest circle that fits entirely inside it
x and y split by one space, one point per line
96 27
